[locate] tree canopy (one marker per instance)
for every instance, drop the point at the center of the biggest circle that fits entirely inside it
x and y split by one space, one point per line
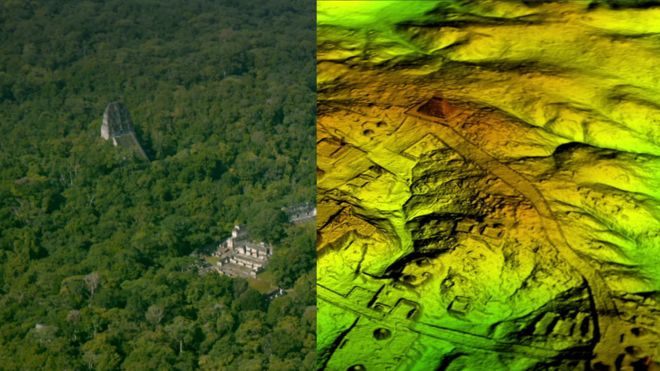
96 269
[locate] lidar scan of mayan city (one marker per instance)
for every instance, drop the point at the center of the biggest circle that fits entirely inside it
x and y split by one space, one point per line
488 185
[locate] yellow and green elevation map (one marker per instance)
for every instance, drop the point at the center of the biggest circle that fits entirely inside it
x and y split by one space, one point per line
488 185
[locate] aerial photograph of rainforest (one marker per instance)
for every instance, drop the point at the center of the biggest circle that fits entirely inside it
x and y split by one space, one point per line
157 185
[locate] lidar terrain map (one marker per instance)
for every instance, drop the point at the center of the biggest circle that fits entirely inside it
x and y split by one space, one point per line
488 185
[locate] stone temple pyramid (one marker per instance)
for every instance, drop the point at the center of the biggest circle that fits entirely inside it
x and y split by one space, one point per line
118 128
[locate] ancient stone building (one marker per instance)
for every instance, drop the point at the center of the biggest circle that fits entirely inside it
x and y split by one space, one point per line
239 256
118 128
301 213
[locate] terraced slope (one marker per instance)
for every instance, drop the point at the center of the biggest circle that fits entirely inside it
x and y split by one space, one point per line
488 179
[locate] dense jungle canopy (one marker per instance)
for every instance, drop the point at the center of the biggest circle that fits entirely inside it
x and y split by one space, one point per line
96 263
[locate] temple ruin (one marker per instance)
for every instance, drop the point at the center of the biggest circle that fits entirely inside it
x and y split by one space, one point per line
301 213
239 256
118 128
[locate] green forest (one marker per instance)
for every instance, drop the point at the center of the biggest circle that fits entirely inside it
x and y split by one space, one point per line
98 262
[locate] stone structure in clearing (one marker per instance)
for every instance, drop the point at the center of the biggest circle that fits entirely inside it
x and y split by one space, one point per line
239 256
